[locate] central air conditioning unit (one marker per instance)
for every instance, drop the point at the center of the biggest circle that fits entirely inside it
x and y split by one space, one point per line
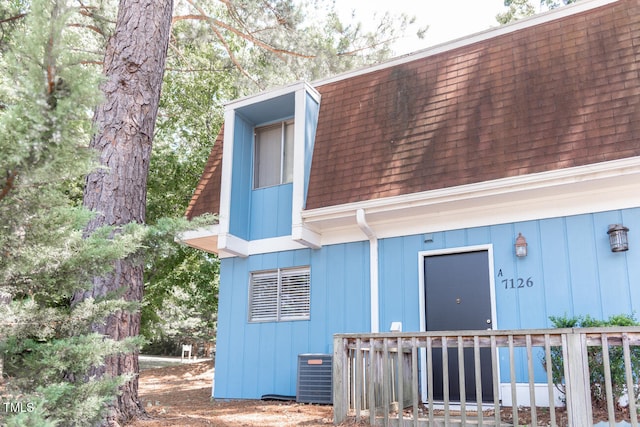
315 374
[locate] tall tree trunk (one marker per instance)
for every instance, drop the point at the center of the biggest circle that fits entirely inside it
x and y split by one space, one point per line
134 67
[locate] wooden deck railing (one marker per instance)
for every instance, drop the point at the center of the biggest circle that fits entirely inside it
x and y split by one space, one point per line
382 376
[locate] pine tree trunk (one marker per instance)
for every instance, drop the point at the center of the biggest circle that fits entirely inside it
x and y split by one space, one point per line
134 67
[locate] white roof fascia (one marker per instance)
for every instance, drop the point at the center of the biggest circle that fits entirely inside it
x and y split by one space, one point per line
592 188
274 93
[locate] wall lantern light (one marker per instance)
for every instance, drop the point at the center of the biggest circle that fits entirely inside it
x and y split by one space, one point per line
521 246
618 238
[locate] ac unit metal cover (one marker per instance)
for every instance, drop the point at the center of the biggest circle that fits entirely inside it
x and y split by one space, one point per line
315 374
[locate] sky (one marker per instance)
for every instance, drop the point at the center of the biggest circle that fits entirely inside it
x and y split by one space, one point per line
447 19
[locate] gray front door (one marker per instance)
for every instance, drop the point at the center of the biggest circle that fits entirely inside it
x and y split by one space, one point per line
458 297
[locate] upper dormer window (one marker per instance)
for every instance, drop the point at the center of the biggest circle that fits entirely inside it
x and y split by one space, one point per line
273 161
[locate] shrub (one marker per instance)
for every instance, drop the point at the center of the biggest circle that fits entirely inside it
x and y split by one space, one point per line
595 359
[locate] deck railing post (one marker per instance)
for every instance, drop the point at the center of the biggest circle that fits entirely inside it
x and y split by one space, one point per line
577 381
340 380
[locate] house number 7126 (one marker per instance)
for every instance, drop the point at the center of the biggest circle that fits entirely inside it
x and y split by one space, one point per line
518 283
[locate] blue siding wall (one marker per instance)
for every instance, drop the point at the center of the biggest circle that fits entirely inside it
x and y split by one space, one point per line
241 177
254 359
261 213
570 266
271 211
265 212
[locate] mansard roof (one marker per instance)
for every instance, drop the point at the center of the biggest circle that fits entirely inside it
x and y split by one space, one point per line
550 93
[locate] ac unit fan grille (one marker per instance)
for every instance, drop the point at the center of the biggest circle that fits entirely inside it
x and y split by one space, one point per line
315 383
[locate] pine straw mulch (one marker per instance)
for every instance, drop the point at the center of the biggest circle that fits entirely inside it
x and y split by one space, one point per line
181 396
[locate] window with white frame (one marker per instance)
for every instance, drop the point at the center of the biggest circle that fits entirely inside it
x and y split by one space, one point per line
273 155
280 295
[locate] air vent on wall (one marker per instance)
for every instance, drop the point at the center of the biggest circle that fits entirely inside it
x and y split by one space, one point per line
314 379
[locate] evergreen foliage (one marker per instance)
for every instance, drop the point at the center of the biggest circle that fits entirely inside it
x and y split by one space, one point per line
48 91
221 51
48 346
518 9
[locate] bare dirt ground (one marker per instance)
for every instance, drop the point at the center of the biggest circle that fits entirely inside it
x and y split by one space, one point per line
181 396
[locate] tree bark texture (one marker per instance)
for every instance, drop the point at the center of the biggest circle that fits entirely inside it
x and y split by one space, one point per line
133 67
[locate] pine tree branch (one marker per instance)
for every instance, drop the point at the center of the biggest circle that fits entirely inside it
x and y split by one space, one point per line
8 184
380 43
93 28
12 18
249 37
220 37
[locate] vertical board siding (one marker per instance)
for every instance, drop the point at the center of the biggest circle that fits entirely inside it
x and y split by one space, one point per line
230 346
583 265
569 262
270 212
455 238
555 274
254 359
531 300
241 177
505 268
280 347
614 293
398 278
631 218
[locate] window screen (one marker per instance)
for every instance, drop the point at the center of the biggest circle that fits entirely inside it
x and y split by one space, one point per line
280 295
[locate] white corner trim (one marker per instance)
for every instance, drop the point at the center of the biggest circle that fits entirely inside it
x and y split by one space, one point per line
297 203
227 172
306 237
310 90
233 245
198 233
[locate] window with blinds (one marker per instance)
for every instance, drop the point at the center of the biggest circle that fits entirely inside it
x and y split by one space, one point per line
273 156
280 295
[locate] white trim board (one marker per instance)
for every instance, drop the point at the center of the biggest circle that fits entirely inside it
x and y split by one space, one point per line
523 396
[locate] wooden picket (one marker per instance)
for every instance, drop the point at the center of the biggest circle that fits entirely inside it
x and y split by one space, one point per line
377 376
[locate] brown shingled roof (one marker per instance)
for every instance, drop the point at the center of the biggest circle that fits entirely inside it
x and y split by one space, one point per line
555 95
206 198
564 93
